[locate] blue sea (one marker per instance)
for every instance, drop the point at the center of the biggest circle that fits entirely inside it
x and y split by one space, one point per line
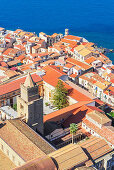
92 19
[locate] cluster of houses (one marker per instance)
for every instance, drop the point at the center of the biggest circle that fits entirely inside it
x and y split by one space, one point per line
30 68
21 52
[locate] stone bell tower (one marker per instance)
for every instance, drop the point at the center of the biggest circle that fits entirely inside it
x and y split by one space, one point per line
30 104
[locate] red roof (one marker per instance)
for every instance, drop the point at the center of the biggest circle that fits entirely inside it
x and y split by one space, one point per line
104 131
112 67
52 76
62 113
90 60
112 81
68 65
72 37
111 88
15 85
99 101
78 115
3 64
73 75
95 108
6 52
21 57
79 63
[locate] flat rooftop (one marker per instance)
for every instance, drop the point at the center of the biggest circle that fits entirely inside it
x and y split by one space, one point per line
9 111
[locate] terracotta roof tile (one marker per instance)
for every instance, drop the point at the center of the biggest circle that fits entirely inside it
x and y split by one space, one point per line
78 63
105 132
95 147
90 60
19 142
69 110
69 156
42 163
55 74
15 84
71 37
78 115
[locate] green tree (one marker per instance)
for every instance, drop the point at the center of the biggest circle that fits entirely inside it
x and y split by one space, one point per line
60 98
15 107
73 129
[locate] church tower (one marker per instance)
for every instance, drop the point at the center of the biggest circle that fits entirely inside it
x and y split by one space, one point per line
30 104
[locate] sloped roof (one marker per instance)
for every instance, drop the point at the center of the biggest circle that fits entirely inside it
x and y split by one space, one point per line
79 63
95 147
77 116
15 84
23 140
99 117
69 156
105 132
42 163
90 60
25 148
69 110
72 37
29 81
55 75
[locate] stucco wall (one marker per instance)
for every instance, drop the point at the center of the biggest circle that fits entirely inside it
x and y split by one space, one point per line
13 156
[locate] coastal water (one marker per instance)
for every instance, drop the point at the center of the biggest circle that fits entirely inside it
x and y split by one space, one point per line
92 19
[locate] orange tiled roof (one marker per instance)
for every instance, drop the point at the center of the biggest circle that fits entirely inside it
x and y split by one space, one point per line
15 85
42 163
78 115
95 147
111 75
112 80
89 44
67 111
73 75
90 60
68 41
19 142
69 156
68 65
37 46
99 102
104 56
105 132
111 88
6 52
21 57
54 73
112 67
71 37
3 64
23 140
79 63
